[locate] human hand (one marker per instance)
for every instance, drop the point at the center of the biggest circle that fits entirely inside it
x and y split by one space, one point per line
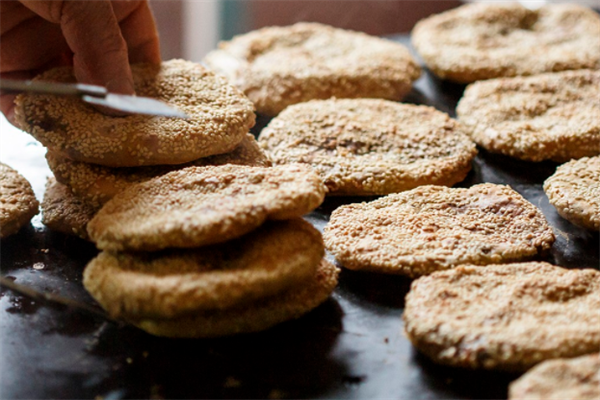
99 38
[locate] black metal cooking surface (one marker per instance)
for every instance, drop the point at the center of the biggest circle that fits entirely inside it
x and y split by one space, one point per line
352 346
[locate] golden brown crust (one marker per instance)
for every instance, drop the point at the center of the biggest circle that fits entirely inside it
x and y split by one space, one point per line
434 228
491 40
220 117
64 212
552 116
574 190
197 206
327 62
507 317
370 146
255 316
178 282
17 201
98 184
574 378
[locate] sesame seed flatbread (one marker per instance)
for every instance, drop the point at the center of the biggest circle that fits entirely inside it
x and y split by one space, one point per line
62 211
220 117
197 206
494 39
98 184
507 317
574 190
17 201
255 316
560 379
180 282
544 117
434 228
279 66
370 146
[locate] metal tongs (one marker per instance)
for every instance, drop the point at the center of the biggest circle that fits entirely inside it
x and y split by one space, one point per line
97 95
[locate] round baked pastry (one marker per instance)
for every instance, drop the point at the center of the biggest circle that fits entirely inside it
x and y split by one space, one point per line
508 317
219 119
254 316
180 282
197 206
98 184
552 116
64 212
279 66
564 378
574 190
491 40
17 201
434 228
370 146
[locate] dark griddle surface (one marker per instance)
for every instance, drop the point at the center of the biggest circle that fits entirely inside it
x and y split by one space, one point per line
350 347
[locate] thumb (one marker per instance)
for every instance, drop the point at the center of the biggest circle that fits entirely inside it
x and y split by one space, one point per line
92 32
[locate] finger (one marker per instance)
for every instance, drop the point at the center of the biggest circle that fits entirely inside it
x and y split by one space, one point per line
139 31
93 34
12 13
100 52
30 45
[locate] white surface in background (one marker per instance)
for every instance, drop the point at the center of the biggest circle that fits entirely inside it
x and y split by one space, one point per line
22 152
200 28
